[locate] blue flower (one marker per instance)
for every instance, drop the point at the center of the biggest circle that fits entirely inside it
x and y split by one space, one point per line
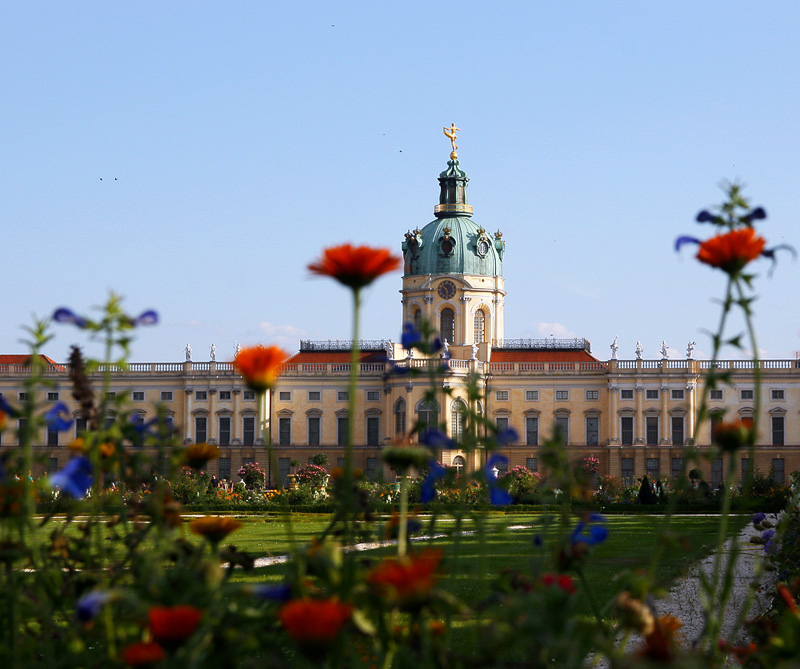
148 317
64 315
756 215
497 495
766 535
58 417
6 408
272 592
538 541
90 604
437 345
507 436
410 337
428 489
75 479
433 437
705 217
592 532
759 517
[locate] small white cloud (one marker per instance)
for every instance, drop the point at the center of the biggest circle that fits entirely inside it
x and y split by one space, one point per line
286 336
557 330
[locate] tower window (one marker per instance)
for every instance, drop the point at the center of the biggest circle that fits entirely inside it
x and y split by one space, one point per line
480 327
447 325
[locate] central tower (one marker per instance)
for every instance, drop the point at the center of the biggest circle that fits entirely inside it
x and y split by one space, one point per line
453 268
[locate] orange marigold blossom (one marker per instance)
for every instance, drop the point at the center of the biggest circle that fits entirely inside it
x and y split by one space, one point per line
314 620
139 654
661 643
731 251
407 578
731 435
197 455
214 528
174 624
260 365
355 266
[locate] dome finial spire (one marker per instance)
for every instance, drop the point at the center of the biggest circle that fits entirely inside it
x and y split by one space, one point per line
451 133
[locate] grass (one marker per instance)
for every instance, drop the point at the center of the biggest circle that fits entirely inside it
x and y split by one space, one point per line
472 560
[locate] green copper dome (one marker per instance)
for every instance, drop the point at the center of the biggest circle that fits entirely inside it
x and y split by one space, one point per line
453 243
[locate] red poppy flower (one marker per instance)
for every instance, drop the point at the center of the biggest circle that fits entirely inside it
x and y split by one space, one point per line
732 250
561 580
407 578
140 654
260 365
174 623
355 266
315 620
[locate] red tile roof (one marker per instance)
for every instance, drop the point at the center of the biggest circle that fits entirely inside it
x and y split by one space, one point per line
541 355
22 359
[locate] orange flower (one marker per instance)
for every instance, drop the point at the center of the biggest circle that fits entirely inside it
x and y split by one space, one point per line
406 578
214 528
315 620
3 420
139 654
196 455
174 624
661 643
355 266
732 250
731 436
260 365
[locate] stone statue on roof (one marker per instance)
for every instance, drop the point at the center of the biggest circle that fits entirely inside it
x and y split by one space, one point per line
690 349
213 353
639 350
614 348
664 350
188 352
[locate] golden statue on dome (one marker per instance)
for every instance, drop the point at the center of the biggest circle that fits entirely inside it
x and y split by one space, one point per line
451 133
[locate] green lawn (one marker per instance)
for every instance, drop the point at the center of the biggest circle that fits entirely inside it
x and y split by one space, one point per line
472 559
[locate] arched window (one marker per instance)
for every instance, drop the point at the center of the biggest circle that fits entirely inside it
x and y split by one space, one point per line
427 415
447 325
417 318
480 327
400 417
459 463
459 409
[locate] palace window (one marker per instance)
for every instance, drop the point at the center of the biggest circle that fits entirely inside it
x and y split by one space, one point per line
562 428
531 395
592 394
166 396
532 464
746 394
501 395
779 470
532 430
777 394
653 469
459 409
715 395
342 423
626 394
250 395
373 395
248 430
200 429
677 394
651 430
225 395
400 417
592 430
677 466
778 427
651 394
224 430
201 395
627 470
562 394
313 430
447 325
314 395
373 430
53 396
480 327
427 415
626 430
716 473
342 395
284 430
676 423
458 464
285 395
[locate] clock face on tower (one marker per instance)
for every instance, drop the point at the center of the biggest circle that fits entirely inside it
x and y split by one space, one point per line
447 289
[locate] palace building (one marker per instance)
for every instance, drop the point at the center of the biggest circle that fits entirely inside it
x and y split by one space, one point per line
633 415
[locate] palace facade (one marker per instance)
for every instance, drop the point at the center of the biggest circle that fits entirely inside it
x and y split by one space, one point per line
635 416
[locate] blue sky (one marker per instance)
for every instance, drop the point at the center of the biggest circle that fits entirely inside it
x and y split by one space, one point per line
236 140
